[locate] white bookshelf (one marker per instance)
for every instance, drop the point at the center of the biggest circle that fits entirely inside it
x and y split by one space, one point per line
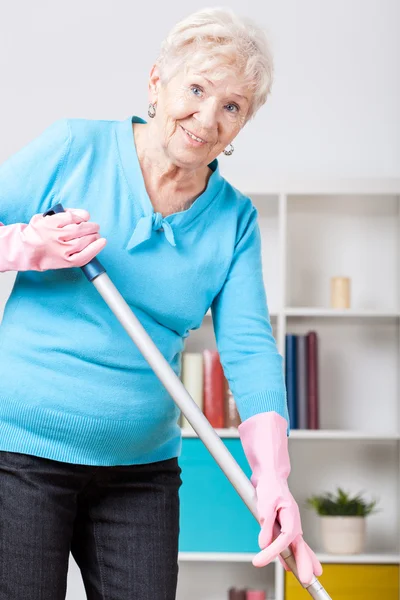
312 231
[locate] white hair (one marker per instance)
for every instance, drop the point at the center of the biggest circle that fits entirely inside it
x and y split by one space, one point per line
217 39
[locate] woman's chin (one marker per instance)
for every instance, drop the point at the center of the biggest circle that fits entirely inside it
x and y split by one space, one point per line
189 157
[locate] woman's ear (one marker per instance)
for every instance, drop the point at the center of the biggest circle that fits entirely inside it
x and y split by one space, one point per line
154 84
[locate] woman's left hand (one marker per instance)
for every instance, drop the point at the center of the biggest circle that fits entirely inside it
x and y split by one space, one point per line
279 518
264 440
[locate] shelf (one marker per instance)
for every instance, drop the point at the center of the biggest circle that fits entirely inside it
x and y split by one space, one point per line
324 187
331 312
246 557
341 434
272 313
385 558
311 434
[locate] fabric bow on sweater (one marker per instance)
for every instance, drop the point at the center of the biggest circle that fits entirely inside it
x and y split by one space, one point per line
145 227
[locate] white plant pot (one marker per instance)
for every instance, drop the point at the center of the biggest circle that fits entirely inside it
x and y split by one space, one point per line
343 535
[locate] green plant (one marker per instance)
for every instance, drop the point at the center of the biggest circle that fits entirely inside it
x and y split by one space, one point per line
341 505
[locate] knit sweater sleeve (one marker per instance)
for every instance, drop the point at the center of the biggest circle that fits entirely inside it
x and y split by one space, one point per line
30 178
243 332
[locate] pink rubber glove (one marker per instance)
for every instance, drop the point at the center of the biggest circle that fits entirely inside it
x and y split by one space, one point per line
62 240
265 443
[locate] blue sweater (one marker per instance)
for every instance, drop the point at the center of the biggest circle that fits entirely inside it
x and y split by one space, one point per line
74 387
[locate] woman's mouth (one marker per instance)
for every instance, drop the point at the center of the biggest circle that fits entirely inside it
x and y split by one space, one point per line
197 141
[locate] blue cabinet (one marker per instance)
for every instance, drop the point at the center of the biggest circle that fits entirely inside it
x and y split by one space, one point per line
213 516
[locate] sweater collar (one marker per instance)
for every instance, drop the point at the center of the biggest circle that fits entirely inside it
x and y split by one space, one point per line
134 177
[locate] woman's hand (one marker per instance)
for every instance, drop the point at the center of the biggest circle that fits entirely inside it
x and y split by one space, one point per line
59 241
279 518
264 440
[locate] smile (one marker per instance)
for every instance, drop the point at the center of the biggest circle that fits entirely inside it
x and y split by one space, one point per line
194 137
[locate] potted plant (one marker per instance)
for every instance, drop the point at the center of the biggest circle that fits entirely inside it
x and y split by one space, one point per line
342 518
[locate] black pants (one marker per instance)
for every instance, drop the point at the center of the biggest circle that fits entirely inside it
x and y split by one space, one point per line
121 524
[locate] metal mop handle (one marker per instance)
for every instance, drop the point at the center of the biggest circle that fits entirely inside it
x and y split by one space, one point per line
96 273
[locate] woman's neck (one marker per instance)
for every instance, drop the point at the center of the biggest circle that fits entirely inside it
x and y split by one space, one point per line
171 188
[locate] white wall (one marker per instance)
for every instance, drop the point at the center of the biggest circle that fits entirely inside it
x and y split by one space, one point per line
334 110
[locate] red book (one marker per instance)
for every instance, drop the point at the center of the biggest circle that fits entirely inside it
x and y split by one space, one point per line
232 417
214 389
312 375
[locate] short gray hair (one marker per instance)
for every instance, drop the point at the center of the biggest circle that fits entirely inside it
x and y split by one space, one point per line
218 37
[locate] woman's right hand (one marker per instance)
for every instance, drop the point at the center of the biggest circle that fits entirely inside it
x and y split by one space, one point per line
58 241
62 240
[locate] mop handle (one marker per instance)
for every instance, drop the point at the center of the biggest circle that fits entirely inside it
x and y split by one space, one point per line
96 273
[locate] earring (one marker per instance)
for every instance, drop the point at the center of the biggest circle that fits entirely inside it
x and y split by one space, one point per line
152 110
229 151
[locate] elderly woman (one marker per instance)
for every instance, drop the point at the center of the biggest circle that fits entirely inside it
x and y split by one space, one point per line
89 437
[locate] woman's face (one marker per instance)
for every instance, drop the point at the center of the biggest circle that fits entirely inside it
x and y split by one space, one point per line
198 116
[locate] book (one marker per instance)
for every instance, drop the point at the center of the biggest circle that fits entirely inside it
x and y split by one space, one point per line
236 594
193 380
214 389
232 417
302 382
291 379
312 370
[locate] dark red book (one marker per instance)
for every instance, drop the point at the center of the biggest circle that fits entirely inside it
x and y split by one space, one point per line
232 417
236 594
312 376
214 389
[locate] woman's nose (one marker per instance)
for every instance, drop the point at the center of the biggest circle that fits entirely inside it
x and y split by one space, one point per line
208 115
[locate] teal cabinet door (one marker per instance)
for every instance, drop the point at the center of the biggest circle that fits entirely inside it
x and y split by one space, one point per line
213 516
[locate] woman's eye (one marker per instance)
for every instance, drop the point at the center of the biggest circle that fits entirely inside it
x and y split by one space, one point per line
232 108
196 90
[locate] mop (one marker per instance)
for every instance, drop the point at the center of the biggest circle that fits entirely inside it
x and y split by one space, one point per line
96 273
